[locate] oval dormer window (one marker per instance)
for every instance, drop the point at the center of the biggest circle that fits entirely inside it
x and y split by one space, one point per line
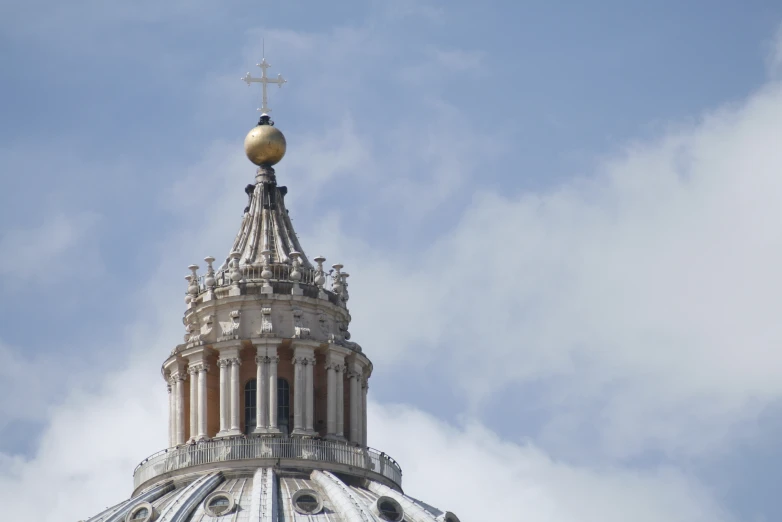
307 502
218 504
389 509
142 512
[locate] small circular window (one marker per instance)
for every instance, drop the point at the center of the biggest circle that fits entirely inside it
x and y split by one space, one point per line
307 502
218 504
450 517
389 509
143 512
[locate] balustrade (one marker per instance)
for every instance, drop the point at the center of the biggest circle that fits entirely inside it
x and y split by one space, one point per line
225 450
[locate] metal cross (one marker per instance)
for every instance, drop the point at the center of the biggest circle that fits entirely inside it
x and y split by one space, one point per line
263 80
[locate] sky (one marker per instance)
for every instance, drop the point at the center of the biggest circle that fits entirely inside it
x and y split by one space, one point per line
561 220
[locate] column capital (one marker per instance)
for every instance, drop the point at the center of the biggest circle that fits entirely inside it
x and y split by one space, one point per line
337 367
262 359
353 374
177 377
223 363
303 360
194 368
234 361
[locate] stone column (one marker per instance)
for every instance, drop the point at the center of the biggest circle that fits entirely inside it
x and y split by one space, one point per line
298 393
171 413
335 408
339 376
364 390
224 407
355 391
179 390
331 399
193 371
202 402
273 360
309 399
235 391
261 387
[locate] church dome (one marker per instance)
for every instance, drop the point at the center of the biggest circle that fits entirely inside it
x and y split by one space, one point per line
267 394
271 494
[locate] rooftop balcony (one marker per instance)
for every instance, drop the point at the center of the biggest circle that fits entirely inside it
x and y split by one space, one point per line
284 453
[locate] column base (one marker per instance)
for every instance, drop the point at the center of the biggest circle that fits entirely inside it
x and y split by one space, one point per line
228 433
268 432
304 433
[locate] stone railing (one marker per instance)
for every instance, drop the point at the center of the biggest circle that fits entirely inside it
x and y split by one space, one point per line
269 449
280 272
331 284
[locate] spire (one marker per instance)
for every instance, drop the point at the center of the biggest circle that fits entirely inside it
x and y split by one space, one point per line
266 225
264 145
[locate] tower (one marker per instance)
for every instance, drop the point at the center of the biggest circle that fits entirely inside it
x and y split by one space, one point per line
267 393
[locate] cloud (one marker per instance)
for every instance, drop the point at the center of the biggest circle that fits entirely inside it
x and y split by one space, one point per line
89 447
478 475
774 57
643 295
50 249
636 305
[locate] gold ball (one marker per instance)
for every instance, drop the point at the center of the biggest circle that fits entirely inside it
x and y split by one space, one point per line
264 145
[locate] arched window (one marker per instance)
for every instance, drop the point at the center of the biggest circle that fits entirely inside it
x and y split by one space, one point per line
283 404
249 406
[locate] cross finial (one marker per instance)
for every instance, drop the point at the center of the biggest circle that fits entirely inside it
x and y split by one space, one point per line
264 80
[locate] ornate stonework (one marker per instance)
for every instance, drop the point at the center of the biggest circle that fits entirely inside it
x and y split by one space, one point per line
276 328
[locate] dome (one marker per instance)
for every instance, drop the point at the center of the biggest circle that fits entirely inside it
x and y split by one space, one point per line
267 394
269 493
264 144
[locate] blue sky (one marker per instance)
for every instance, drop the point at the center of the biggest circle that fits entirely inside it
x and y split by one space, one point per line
561 222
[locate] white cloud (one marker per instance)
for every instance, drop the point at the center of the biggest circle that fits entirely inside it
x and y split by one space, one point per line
479 476
774 58
645 295
50 249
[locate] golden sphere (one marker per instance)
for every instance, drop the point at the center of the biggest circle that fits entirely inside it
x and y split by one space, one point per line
264 145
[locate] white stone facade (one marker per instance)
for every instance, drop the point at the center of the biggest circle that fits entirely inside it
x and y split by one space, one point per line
267 395
267 304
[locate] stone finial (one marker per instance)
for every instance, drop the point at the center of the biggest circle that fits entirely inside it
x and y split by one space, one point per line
236 274
188 297
320 277
336 281
295 274
266 273
192 288
209 280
